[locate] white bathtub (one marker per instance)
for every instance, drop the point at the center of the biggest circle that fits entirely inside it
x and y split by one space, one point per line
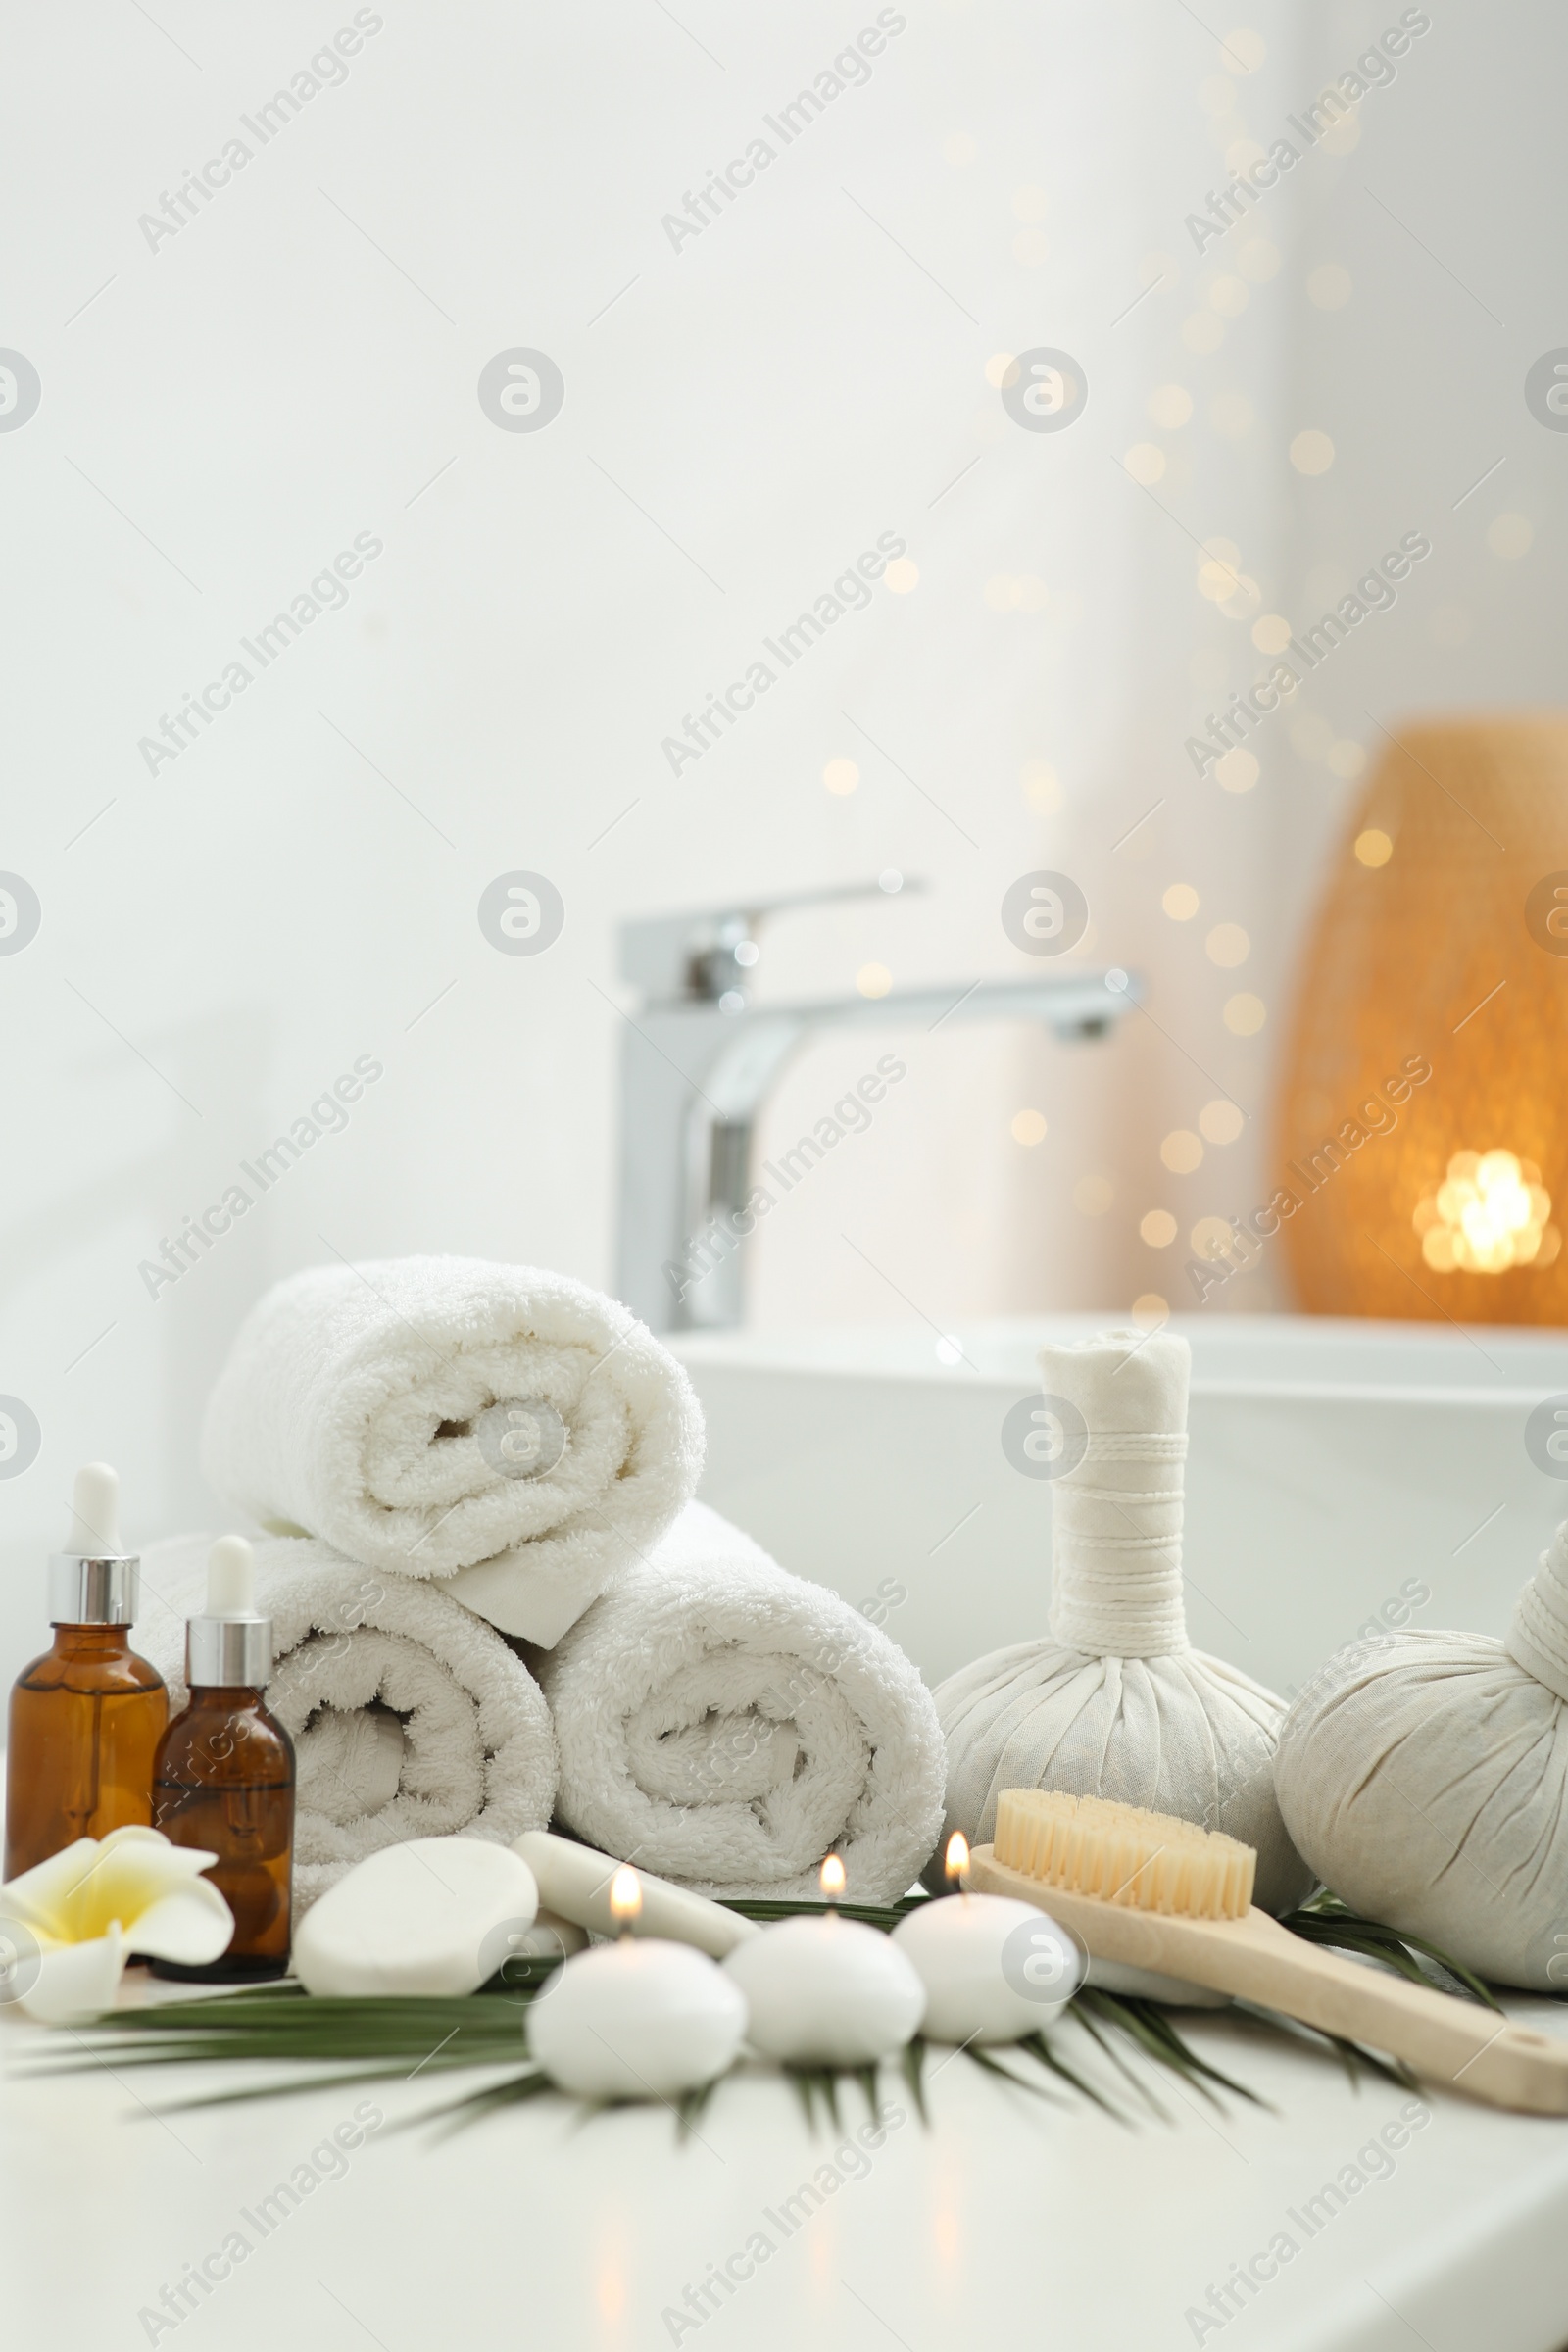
1332 1463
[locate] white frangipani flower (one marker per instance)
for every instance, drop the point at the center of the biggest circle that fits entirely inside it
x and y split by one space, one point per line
69 1925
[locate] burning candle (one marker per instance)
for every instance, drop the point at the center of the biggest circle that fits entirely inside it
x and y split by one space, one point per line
992 1969
636 2019
827 1991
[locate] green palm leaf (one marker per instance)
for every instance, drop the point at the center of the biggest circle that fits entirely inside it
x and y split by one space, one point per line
1325 1918
347 2042
764 1909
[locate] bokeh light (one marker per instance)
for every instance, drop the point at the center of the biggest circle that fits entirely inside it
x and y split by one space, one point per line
1328 286
1182 1151
1228 945
1170 406
1490 1213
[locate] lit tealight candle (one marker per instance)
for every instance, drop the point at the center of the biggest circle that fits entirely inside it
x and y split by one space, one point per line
993 1968
827 1991
636 2019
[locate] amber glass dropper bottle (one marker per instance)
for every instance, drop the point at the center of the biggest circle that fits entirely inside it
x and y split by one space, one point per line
223 1778
87 1716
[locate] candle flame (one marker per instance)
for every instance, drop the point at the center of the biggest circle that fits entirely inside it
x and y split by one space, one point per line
625 1897
832 1877
957 1861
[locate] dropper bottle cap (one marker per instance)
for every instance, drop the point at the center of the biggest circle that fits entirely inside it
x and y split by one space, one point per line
94 1580
230 1645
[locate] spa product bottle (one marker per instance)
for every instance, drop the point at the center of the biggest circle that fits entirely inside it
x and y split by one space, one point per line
87 1716
225 1775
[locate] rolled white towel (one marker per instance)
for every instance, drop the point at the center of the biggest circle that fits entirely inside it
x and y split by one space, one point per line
409 1716
368 1405
728 1725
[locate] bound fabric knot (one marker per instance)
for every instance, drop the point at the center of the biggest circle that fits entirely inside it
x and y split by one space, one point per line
1538 1638
1116 1530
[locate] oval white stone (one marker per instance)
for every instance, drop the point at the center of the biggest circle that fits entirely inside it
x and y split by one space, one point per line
827 1991
434 1914
638 2018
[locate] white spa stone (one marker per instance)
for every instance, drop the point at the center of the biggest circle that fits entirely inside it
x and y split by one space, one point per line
992 1967
827 1991
637 2019
434 1914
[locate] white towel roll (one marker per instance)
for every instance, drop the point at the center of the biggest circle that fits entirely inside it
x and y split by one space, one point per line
409 1716
368 1405
729 1725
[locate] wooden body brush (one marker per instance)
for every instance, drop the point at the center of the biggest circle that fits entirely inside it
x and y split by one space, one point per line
1160 1893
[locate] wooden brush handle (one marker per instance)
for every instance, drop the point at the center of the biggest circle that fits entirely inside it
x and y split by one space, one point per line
1453 2042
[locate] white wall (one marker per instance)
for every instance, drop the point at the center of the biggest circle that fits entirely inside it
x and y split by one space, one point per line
222 938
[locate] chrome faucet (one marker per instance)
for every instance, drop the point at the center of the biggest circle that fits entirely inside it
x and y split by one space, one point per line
698 1062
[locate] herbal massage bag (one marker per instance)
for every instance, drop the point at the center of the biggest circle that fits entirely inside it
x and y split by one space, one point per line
1425 1777
1117 1703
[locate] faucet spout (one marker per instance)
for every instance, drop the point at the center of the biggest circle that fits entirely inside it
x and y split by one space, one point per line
699 1063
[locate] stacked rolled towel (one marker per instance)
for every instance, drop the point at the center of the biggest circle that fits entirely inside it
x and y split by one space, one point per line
411 1717
505 1431
728 1725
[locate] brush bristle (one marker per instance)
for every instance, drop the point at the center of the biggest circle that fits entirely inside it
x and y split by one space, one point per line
1122 1855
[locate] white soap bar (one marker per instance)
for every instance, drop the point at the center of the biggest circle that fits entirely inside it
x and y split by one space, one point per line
551 1937
636 2021
992 1967
435 1915
575 1880
827 1991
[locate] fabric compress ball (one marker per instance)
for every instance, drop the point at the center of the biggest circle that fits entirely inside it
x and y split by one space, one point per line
1117 1703
1425 1776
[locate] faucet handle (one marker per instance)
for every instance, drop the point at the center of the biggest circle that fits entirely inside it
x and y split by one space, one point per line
701 958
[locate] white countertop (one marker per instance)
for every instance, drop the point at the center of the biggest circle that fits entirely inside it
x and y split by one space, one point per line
1009 2223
